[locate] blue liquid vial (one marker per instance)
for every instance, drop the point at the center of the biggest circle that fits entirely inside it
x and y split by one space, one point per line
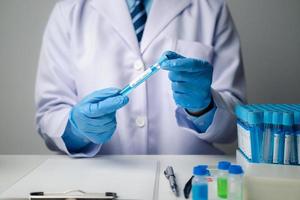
199 183
287 122
278 138
267 141
255 121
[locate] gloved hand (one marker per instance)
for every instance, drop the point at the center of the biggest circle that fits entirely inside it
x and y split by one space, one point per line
191 81
94 118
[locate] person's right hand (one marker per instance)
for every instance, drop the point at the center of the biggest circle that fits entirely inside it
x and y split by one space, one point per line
94 118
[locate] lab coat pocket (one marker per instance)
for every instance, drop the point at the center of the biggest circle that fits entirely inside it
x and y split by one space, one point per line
193 49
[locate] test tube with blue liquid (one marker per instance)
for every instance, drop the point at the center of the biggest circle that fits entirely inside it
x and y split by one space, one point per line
297 135
142 77
267 146
278 137
199 183
255 121
297 130
260 135
295 140
289 135
287 122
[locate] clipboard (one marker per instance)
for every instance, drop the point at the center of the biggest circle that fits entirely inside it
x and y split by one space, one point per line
121 176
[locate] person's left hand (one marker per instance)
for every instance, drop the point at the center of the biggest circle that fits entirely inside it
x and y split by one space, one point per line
191 81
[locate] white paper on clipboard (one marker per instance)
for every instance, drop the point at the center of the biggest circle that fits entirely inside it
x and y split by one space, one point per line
129 178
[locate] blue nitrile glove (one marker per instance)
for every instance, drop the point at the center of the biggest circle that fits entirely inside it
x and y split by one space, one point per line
94 118
191 81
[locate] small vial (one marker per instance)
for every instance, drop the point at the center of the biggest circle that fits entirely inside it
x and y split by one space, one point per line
267 143
222 179
235 180
199 183
278 138
298 147
288 121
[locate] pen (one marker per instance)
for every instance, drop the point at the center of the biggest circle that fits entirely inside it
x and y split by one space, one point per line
169 173
74 195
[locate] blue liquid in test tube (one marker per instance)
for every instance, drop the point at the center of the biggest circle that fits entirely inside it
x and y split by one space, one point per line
199 183
140 79
278 138
267 155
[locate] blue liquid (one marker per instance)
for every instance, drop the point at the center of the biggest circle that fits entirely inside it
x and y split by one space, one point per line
126 90
140 79
281 148
200 192
256 145
298 147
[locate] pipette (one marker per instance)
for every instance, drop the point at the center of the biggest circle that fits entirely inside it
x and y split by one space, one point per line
140 79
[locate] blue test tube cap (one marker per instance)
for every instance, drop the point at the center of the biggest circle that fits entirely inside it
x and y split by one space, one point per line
297 117
255 117
200 170
287 119
296 111
277 118
267 117
235 169
238 111
224 165
244 113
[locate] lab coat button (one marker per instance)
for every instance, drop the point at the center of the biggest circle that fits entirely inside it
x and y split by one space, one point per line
138 65
140 121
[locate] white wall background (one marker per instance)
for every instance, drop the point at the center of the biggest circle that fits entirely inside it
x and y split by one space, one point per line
269 29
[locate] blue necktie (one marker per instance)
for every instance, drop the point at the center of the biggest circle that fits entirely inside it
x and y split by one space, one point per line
139 18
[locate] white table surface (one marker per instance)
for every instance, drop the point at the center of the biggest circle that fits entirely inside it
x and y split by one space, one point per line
14 167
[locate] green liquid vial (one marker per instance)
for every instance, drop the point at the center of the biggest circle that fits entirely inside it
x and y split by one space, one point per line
222 187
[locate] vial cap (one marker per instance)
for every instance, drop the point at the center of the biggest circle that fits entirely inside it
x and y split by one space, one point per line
238 111
235 169
200 170
242 112
267 117
297 117
277 118
224 165
288 119
255 117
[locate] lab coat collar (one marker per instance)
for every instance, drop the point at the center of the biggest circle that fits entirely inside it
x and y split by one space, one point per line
118 15
161 13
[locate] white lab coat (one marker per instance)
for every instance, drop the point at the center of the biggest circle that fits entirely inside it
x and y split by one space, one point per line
91 44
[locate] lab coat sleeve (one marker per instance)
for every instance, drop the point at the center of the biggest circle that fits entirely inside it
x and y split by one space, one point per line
55 87
199 124
228 85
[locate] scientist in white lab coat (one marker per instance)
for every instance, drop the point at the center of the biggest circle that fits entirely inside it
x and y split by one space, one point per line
92 47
